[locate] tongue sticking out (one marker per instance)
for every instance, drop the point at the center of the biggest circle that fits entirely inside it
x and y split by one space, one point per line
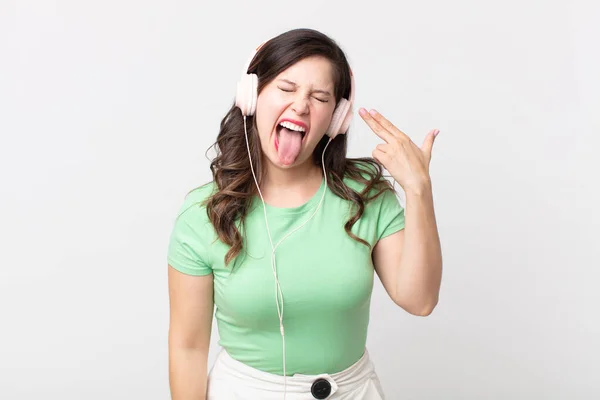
289 145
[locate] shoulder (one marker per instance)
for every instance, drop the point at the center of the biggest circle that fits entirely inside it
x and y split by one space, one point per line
192 219
363 173
196 198
365 176
191 234
192 209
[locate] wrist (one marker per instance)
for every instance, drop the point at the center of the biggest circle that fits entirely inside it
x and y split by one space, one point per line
419 189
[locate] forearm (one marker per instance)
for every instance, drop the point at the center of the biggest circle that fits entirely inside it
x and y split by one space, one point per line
420 269
187 373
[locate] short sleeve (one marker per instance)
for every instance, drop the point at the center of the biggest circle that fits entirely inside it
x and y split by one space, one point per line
391 214
189 241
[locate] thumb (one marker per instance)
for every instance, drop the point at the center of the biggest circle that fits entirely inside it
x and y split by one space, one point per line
427 146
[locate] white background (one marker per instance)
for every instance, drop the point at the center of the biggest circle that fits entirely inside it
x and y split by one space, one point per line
107 109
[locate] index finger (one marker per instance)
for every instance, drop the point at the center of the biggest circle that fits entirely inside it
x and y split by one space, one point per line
384 122
375 126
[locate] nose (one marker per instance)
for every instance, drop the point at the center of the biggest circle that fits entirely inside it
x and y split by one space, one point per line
300 104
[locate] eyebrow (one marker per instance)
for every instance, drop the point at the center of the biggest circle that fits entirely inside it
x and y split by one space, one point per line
325 92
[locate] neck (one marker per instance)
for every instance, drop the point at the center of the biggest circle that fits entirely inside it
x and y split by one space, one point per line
291 187
305 175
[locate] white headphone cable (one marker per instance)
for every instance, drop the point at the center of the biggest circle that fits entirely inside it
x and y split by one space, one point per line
278 293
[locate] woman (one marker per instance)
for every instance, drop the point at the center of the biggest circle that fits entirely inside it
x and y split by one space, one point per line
285 239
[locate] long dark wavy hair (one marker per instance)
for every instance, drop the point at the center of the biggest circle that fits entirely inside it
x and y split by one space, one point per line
228 206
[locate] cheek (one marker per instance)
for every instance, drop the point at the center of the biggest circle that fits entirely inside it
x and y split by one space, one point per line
323 117
268 108
264 112
272 100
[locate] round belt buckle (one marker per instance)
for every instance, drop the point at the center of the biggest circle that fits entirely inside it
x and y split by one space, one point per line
321 388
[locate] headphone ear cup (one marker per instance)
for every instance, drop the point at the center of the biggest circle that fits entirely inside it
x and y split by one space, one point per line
340 119
246 95
348 119
253 93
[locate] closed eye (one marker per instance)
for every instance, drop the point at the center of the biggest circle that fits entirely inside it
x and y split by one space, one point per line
289 90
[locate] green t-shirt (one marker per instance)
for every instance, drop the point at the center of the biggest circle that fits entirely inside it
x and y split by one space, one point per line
326 278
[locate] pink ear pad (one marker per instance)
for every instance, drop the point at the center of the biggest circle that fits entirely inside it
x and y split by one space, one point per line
340 119
348 119
246 95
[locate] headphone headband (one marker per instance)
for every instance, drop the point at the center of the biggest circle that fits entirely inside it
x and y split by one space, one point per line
247 64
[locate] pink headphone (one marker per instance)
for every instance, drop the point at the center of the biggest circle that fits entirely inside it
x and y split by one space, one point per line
247 94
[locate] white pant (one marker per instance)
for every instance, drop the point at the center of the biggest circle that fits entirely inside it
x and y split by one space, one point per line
230 379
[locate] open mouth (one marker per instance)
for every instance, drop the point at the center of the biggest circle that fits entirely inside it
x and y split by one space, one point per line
289 129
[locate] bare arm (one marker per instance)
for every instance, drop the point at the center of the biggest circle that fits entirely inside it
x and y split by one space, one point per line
191 313
409 262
